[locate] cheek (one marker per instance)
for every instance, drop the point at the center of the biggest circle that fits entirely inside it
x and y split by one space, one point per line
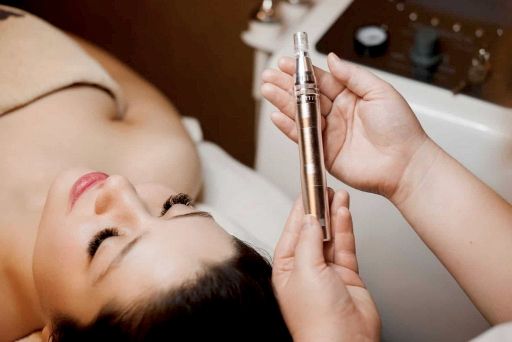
58 265
60 258
153 196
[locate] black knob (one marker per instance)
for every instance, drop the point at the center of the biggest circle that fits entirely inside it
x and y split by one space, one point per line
425 52
371 40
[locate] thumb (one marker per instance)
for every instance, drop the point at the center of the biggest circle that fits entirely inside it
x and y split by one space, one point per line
310 248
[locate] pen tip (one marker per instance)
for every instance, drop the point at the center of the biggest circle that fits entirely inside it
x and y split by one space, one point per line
300 41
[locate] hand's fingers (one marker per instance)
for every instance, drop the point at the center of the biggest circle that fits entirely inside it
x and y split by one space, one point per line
279 78
285 125
330 194
341 199
285 248
279 98
337 199
309 251
360 81
286 83
349 277
344 241
328 85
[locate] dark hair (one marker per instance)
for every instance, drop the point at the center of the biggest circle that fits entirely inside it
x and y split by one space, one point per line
231 301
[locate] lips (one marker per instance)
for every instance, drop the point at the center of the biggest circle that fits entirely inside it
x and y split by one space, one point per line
83 183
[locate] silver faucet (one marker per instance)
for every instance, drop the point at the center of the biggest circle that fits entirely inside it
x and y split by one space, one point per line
267 12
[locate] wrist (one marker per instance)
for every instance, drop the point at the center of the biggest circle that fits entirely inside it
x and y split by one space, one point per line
327 328
332 337
335 330
421 163
313 336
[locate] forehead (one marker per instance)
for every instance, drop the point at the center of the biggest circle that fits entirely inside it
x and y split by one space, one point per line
170 253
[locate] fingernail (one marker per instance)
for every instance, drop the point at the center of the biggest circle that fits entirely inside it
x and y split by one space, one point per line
264 74
334 57
281 61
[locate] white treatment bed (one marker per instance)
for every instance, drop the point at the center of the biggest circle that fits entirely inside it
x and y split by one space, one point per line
242 201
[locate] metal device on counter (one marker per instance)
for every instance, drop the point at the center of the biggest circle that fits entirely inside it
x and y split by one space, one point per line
314 189
460 45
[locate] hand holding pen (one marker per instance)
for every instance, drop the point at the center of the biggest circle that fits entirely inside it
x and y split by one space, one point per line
373 142
370 133
317 284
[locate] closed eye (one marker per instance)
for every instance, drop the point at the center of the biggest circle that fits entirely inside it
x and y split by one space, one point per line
180 198
98 239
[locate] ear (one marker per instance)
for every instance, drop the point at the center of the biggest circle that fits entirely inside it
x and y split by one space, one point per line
46 334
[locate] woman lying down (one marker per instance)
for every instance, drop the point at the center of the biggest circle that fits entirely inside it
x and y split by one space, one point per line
120 253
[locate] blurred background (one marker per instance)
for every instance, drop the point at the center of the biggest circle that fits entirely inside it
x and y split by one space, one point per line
449 59
191 50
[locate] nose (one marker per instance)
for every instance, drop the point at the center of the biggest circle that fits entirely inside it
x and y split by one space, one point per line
118 198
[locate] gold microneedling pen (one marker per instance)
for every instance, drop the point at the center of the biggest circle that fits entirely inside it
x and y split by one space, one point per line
314 189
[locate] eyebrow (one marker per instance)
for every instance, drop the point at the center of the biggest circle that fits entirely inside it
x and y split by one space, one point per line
129 246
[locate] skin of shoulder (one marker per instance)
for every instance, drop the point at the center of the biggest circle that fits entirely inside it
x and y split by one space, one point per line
151 125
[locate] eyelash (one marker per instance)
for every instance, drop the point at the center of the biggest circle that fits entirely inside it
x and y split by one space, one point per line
180 198
98 239
106 233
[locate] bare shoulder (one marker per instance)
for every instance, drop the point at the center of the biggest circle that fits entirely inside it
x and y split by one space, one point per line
75 127
34 337
151 129
145 104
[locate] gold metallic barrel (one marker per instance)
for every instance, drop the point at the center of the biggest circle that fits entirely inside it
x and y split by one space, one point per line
313 181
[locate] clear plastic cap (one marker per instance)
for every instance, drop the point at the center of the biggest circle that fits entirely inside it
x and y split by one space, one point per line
300 42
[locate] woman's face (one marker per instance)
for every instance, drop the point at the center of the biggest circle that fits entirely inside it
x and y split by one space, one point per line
102 240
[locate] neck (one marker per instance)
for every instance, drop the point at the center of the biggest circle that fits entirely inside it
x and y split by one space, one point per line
20 312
